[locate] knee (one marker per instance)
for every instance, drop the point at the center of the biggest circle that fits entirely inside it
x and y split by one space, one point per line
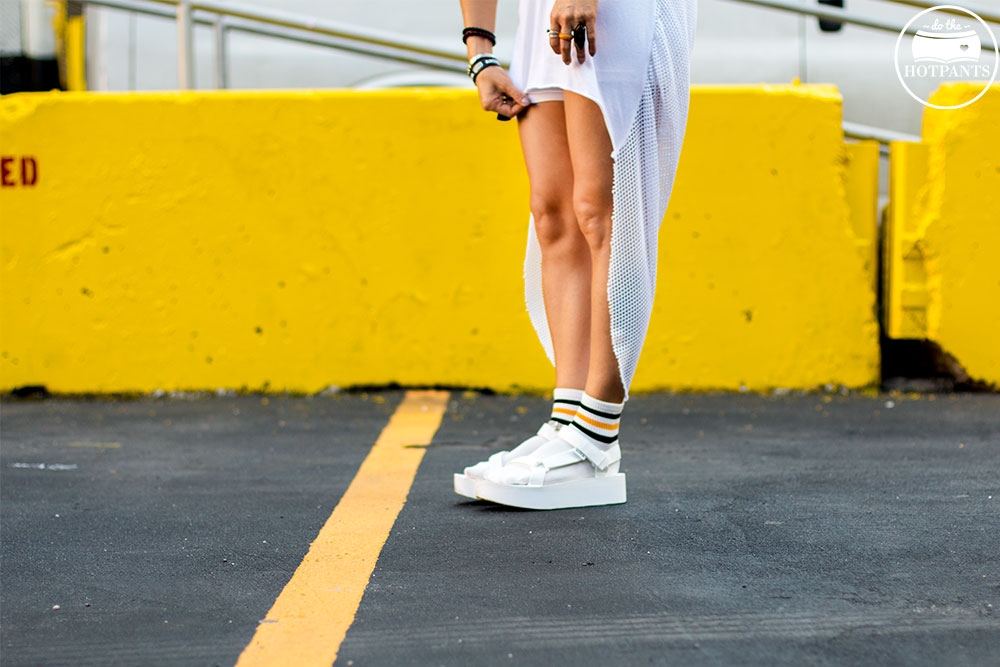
554 220
593 215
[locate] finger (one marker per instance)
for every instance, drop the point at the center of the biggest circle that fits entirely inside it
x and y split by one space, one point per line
554 40
592 35
514 93
565 42
580 42
512 100
512 109
499 94
506 106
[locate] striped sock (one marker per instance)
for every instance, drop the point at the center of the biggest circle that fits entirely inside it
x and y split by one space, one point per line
565 403
598 421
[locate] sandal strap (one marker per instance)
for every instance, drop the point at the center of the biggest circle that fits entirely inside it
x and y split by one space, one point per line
496 460
539 467
581 449
562 459
559 460
602 459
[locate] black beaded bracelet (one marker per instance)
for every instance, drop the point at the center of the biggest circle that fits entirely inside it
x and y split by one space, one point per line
478 32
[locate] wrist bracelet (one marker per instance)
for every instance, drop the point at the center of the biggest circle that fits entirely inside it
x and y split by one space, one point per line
478 32
480 56
481 62
484 65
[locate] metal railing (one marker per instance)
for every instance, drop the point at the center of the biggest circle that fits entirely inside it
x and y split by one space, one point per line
879 134
225 17
832 13
989 15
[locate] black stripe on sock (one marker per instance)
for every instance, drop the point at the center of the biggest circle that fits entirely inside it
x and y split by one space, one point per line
566 401
561 420
606 439
606 415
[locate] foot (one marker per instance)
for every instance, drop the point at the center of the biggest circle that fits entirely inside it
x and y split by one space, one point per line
465 482
569 471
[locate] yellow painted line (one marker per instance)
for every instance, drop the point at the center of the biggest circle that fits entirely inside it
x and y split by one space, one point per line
310 618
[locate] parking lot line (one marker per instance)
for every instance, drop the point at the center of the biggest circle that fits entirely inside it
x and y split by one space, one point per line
312 614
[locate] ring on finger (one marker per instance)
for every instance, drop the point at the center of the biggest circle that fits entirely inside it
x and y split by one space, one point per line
566 36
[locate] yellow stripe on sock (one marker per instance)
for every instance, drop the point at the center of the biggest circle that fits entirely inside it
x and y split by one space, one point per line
310 618
564 411
584 418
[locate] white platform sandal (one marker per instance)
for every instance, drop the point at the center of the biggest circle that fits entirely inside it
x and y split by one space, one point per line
465 482
606 487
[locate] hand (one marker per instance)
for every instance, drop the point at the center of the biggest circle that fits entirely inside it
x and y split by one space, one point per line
576 17
498 93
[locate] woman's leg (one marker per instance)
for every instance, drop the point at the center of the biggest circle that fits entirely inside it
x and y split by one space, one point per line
593 172
566 257
594 429
565 275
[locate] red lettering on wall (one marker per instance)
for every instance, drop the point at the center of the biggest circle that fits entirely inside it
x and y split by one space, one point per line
8 174
29 171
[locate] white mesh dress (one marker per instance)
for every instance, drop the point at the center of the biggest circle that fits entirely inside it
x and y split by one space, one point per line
640 79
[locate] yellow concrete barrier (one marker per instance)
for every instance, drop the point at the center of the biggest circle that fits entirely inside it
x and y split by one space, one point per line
295 240
942 233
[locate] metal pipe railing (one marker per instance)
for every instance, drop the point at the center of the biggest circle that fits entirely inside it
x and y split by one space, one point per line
221 52
279 25
879 134
185 46
985 14
368 49
829 12
380 44
832 13
321 26
224 16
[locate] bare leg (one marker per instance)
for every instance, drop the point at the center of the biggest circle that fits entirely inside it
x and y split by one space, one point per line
566 257
593 171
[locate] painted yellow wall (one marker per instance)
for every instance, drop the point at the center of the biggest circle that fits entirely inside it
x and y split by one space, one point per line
761 282
295 240
943 231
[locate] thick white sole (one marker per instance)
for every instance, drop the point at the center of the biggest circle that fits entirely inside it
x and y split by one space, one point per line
591 492
465 486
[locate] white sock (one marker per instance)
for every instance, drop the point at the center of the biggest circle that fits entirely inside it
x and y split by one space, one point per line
598 420
565 403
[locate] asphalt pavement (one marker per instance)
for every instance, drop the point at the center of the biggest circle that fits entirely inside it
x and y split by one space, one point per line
819 529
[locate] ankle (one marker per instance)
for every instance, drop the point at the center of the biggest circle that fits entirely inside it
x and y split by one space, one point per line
565 403
598 422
